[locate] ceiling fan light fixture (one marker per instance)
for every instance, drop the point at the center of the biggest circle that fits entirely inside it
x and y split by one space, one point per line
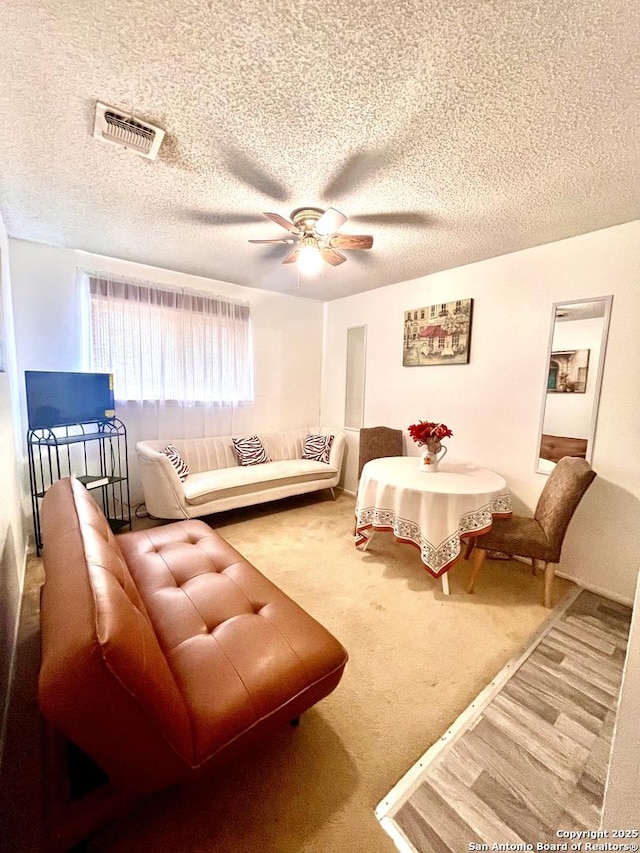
309 257
315 238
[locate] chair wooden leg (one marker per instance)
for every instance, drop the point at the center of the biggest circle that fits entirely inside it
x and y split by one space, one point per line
549 573
470 546
534 567
478 560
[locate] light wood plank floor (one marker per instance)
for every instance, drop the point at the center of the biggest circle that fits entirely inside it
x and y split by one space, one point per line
535 759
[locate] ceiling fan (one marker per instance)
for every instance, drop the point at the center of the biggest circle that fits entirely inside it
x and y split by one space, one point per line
315 239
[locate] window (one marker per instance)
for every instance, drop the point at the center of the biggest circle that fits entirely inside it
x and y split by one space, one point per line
168 344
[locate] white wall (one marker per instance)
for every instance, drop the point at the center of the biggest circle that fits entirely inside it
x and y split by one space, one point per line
622 795
493 404
12 535
287 332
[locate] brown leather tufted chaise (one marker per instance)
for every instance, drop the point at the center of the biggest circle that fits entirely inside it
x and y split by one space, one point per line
164 652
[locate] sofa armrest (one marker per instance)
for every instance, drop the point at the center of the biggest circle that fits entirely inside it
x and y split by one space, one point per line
336 453
163 490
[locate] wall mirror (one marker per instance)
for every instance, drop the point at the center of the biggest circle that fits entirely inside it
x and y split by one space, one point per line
572 380
356 359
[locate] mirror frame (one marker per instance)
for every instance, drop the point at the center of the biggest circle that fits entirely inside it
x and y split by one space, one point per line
607 300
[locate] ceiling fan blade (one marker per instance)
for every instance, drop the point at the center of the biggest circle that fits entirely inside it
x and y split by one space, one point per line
292 257
275 240
280 220
331 256
351 241
329 222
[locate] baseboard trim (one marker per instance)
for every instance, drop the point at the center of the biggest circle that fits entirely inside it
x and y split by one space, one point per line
605 593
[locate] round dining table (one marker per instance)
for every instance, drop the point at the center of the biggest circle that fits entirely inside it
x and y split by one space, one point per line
435 511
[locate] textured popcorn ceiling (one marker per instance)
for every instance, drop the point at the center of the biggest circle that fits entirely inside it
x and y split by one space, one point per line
450 130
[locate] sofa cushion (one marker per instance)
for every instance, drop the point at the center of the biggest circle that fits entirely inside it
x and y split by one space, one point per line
174 456
228 482
250 450
317 447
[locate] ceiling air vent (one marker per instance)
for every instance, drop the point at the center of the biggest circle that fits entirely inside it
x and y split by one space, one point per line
126 131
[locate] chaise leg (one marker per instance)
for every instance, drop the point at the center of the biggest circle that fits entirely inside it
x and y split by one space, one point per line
295 722
333 494
549 573
478 559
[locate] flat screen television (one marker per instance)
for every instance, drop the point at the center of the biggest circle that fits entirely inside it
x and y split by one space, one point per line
61 399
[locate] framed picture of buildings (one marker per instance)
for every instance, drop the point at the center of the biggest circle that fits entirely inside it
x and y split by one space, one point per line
438 334
568 371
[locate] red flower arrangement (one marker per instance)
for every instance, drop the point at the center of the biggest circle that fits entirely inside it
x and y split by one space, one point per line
426 432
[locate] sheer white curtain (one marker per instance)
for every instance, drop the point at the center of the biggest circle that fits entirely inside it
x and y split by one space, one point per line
182 360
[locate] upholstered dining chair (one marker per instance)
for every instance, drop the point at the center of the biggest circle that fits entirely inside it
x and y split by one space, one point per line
540 538
375 443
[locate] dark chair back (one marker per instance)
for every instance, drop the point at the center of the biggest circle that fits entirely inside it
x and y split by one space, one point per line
377 442
560 497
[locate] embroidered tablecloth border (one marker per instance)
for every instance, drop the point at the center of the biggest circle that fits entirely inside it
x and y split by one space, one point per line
437 559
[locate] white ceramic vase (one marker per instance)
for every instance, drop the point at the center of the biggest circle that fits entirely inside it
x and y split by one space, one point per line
430 459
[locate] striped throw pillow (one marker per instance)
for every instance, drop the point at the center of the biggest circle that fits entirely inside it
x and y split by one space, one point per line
317 447
250 450
176 459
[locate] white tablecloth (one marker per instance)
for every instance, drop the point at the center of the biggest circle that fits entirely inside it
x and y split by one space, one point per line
430 510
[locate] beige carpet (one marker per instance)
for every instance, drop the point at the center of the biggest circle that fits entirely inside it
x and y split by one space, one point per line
417 659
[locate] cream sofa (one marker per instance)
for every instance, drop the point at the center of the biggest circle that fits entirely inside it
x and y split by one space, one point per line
217 482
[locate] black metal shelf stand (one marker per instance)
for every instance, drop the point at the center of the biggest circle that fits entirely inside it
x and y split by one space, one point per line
95 454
